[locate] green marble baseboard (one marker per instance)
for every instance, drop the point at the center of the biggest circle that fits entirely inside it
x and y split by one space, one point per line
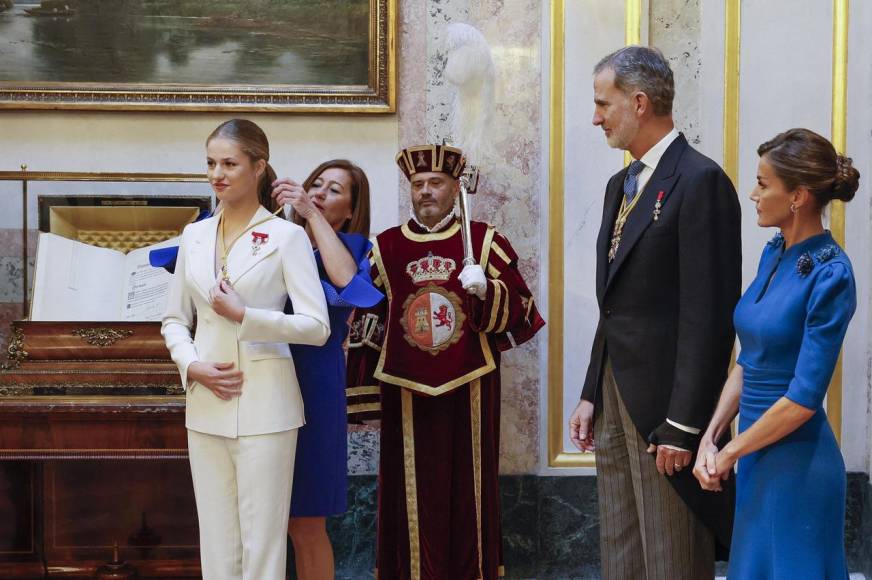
551 527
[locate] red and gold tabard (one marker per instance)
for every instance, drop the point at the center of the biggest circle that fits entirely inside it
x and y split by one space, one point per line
427 309
426 362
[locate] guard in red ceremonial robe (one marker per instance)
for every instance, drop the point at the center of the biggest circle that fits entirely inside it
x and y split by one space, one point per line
426 362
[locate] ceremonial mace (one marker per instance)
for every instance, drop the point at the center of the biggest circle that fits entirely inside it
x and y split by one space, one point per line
468 185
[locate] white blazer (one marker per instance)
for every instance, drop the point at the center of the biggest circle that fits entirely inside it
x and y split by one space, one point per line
283 266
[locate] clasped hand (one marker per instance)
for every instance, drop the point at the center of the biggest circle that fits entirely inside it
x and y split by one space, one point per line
226 302
669 461
220 378
712 466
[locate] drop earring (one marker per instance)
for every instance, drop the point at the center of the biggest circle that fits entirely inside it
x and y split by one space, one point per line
792 208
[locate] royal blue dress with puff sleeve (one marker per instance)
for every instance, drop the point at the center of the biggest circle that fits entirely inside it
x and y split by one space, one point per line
790 495
321 470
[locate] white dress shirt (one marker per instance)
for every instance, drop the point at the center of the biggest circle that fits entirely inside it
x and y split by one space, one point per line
652 158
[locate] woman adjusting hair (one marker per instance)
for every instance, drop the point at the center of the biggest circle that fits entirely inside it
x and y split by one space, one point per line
333 206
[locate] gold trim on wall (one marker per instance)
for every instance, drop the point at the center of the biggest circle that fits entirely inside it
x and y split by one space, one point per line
732 59
632 35
556 421
378 95
557 457
837 209
732 71
632 21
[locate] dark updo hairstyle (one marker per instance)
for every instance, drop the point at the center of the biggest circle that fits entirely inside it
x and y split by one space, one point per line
359 222
253 142
802 157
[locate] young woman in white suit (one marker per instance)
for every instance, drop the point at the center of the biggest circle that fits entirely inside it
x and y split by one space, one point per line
234 273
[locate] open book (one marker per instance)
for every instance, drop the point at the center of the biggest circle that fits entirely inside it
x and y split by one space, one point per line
76 281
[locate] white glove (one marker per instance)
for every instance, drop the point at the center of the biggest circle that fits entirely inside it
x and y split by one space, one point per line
473 281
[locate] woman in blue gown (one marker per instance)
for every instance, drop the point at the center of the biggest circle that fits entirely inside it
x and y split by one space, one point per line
333 205
791 321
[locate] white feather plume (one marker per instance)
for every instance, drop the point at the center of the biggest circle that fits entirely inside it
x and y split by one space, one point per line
470 68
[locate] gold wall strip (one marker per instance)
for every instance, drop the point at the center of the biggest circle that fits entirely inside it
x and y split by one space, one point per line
556 420
837 209
732 70
840 74
732 56
632 35
555 238
632 21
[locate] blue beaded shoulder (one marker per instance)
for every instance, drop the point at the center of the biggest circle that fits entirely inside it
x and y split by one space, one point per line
827 253
776 241
805 264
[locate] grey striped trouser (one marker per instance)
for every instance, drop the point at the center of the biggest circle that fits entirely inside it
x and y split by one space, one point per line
647 532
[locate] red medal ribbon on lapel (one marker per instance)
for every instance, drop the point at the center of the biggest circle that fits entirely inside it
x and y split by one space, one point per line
658 204
258 239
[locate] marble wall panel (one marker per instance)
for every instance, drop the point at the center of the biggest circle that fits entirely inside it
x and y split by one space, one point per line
510 189
674 28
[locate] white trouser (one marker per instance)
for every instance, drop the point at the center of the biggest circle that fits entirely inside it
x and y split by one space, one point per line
243 492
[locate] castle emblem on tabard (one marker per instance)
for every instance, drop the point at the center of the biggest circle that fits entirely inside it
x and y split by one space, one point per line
432 319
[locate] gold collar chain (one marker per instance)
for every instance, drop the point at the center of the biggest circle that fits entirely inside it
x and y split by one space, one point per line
225 250
618 231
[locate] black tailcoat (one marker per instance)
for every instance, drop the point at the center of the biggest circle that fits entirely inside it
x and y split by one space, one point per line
666 306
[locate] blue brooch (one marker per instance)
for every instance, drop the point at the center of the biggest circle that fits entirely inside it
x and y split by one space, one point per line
827 253
804 265
776 241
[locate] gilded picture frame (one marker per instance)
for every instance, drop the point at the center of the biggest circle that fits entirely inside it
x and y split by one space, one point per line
153 55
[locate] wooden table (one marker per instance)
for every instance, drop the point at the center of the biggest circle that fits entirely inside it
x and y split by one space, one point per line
78 474
90 456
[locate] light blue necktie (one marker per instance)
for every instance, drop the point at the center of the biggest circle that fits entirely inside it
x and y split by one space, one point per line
631 179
